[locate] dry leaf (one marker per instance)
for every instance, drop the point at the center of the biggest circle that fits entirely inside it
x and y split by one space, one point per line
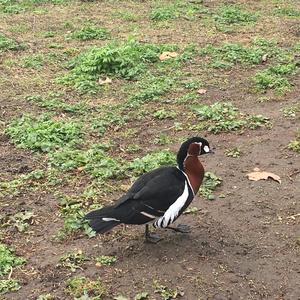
261 175
264 58
167 55
107 80
201 91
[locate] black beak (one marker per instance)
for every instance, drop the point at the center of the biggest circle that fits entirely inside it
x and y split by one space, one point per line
211 151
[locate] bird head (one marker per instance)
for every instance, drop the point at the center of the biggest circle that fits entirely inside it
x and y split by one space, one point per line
194 146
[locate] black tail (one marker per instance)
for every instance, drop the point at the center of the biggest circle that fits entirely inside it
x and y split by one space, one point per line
102 220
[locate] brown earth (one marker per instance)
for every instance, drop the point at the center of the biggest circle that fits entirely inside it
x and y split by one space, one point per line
244 244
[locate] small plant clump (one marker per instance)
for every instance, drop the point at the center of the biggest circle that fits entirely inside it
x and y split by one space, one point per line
233 14
8 285
90 32
234 152
124 60
8 44
224 117
54 103
72 260
210 183
106 260
275 77
72 211
43 133
152 161
230 54
84 288
8 260
294 145
22 220
176 10
165 292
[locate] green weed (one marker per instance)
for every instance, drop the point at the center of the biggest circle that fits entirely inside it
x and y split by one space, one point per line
210 183
162 139
176 10
151 161
90 32
292 111
44 134
150 89
165 292
233 14
8 285
228 55
234 152
288 11
22 220
275 77
15 6
125 60
8 44
54 103
8 260
93 161
85 288
162 114
33 62
127 15
45 297
294 145
106 260
224 117
73 212
72 260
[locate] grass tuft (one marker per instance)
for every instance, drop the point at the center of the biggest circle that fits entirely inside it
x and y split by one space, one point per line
44 134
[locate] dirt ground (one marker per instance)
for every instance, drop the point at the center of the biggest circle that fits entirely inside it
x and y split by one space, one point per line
243 245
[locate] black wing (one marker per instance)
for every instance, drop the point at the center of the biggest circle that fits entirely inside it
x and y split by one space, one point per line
152 194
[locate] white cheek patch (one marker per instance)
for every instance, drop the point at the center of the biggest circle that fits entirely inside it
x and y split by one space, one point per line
206 149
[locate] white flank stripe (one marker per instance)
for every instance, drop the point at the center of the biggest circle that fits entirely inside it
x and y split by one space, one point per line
110 219
148 215
173 211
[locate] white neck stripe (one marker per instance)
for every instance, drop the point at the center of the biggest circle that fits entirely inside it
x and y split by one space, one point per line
188 181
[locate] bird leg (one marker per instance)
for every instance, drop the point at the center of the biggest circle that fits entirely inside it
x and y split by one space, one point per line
151 237
181 228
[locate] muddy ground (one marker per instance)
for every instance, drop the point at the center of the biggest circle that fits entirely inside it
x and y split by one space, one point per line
243 245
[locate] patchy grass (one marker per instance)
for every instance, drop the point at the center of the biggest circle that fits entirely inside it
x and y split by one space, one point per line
224 117
210 183
275 77
22 220
292 111
43 133
230 54
72 260
152 161
233 15
8 44
294 145
8 285
83 287
178 9
288 12
106 260
55 103
90 32
73 211
8 260
234 152
124 60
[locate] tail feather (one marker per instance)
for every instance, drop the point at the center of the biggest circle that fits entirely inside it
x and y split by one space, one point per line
102 220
